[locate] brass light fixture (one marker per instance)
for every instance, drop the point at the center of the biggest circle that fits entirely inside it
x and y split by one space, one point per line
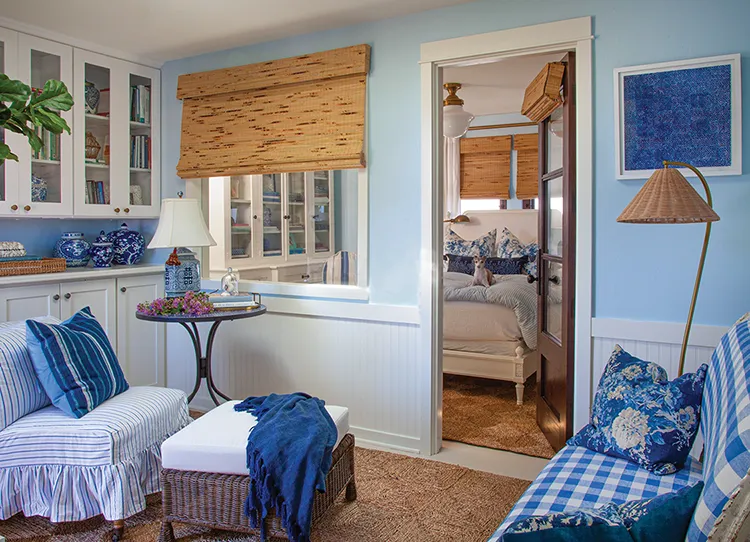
460 219
668 198
456 120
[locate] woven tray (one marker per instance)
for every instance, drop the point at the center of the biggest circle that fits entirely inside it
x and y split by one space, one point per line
32 267
218 500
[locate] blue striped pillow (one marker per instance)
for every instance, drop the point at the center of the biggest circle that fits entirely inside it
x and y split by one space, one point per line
75 362
21 392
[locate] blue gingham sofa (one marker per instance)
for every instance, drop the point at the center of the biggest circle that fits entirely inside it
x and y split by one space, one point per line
577 477
69 469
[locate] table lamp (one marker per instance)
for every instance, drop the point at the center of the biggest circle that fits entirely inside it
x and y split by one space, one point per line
181 224
668 198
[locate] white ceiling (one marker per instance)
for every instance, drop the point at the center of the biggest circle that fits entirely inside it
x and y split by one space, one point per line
169 29
498 87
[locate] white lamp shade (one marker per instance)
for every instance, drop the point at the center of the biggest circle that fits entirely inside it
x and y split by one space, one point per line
181 224
455 121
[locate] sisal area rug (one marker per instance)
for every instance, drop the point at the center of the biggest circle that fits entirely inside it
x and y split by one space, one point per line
399 499
484 412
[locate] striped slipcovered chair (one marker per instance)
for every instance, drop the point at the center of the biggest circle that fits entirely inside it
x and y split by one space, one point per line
69 469
341 268
580 478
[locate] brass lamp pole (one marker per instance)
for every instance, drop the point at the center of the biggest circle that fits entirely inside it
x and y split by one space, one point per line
668 198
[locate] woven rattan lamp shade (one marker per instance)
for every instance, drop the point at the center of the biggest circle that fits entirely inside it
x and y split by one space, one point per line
485 167
667 198
305 113
527 160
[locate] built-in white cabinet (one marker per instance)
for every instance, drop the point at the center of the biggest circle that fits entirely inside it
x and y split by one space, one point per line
111 174
140 345
272 221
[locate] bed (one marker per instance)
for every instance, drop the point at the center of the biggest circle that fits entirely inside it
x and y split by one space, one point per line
481 337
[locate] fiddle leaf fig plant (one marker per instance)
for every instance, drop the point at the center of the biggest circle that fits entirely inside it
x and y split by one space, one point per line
23 109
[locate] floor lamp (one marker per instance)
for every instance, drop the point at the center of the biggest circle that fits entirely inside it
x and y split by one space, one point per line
668 198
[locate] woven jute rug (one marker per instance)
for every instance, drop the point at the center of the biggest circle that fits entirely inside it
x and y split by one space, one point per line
484 412
399 499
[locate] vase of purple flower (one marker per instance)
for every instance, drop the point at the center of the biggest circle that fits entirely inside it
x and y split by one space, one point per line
193 304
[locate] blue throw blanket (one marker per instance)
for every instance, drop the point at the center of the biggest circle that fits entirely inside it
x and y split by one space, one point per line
288 456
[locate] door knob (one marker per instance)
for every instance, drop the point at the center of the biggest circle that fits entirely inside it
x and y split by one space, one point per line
14 207
554 279
56 297
117 209
27 208
67 296
123 289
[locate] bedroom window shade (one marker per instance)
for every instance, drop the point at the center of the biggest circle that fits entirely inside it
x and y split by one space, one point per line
527 177
304 113
485 167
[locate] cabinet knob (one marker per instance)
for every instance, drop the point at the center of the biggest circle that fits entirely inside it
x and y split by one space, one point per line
67 296
287 217
127 209
14 207
27 208
255 217
117 209
56 297
315 217
123 289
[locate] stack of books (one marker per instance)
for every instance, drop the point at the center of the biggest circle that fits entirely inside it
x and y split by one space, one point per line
234 302
140 152
51 149
140 104
95 193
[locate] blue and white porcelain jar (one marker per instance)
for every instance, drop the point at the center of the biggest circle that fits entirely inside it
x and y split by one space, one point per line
74 248
38 189
128 245
102 251
183 278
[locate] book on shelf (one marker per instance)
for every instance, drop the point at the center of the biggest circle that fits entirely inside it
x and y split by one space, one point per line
95 192
140 152
140 104
51 142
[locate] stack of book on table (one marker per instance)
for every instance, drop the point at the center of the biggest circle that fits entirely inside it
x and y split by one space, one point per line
234 302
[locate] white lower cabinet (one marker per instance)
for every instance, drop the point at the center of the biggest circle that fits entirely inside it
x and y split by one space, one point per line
140 346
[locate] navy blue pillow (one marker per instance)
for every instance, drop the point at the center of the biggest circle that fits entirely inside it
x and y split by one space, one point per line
75 362
641 416
497 266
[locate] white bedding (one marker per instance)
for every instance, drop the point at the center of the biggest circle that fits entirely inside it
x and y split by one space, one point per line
467 321
493 348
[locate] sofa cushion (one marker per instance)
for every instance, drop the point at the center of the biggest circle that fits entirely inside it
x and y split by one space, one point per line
20 390
115 431
585 525
579 478
725 426
638 414
75 362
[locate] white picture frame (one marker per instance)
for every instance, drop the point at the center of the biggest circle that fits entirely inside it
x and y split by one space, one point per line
620 74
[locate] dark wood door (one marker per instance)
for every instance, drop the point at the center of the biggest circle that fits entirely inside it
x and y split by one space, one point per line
556 265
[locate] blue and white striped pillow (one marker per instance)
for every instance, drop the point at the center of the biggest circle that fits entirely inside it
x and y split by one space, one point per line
75 362
21 393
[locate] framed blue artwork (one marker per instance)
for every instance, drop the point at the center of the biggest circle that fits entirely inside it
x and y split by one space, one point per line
686 111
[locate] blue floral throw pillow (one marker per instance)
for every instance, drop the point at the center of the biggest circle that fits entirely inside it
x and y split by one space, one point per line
509 246
458 246
641 416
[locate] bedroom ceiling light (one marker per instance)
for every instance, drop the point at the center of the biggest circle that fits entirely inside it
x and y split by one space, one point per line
456 120
668 198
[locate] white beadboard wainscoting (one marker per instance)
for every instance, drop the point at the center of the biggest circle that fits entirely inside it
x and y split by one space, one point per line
659 342
367 365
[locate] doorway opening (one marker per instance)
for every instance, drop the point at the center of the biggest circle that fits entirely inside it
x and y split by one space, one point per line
515 45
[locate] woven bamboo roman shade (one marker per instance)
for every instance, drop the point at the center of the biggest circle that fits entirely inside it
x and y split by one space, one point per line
485 167
527 177
295 114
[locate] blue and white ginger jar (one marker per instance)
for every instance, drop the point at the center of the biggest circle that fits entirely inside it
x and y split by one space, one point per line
102 251
38 189
183 278
128 245
74 248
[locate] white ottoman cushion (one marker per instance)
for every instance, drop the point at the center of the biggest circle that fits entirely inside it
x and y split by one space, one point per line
217 441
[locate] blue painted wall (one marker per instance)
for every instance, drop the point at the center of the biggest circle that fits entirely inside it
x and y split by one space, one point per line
641 272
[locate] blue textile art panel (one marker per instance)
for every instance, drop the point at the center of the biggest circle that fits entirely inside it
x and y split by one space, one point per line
681 115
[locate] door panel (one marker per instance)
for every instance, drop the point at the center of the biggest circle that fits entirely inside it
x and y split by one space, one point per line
98 295
20 303
556 284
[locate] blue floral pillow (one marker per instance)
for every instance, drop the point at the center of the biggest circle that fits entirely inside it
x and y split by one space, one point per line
510 246
641 416
458 246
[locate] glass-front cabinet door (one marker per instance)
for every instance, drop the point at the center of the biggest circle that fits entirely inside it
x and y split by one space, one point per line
9 169
45 185
322 225
271 217
295 214
240 219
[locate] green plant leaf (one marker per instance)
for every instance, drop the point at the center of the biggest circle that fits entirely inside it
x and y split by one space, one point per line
55 95
34 140
12 90
5 153
5 114
50 120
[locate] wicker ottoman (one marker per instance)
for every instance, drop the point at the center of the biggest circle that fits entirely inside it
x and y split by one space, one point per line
203 481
